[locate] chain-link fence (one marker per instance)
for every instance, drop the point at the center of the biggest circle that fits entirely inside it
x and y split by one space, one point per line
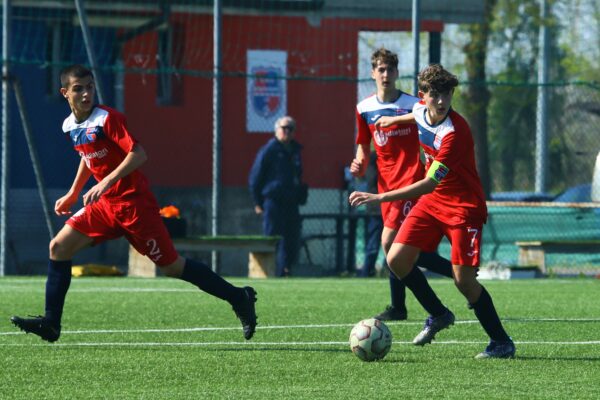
155 62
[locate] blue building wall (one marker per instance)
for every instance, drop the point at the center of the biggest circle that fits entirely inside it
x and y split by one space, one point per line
26 231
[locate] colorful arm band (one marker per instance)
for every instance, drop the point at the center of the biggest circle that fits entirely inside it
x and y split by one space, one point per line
437 171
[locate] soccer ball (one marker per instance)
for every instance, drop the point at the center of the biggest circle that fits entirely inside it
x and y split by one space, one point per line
370 339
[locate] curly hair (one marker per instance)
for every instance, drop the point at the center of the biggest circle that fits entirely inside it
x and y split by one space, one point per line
435 77
385 56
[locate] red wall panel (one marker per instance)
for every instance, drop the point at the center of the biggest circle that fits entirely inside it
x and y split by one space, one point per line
178 138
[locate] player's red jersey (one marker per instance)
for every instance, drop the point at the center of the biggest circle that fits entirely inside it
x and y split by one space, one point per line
450 154
103 141
128 208
397 146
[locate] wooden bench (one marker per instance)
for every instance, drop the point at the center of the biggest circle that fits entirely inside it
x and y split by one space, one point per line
261 253
534 252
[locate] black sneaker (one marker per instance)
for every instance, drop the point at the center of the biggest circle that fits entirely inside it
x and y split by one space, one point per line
392 313
39 326
246 312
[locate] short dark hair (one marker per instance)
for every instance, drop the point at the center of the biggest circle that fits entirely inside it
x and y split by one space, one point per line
385 56
435 77
77 71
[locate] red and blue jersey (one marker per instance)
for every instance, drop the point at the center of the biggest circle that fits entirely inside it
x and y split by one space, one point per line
103 141
397 146
450 154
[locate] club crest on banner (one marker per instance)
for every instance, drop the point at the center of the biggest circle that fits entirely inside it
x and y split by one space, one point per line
266 91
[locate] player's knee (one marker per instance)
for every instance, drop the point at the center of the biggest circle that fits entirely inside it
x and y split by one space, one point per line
398 265
58 251
470 288
168 270
173 270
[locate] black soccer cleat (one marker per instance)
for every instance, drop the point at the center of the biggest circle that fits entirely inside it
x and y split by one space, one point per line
246 312
39 326
392 313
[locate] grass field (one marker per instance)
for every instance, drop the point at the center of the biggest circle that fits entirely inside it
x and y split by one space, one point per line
163 339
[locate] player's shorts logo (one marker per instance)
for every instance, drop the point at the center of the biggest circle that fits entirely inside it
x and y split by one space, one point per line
381 138
266 90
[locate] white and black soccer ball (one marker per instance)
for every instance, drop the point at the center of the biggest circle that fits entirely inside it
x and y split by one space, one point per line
370 339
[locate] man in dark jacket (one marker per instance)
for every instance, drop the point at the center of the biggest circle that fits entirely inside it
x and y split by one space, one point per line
277 191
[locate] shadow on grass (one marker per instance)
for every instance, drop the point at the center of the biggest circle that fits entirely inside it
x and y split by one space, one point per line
554 358
387 360
282 348
552 320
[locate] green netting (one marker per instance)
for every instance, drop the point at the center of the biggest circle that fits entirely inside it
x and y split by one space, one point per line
329 42
510 224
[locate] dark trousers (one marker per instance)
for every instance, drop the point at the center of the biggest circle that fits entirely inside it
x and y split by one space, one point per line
283 219
372 245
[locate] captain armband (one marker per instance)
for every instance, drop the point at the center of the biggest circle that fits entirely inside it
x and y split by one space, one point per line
437 171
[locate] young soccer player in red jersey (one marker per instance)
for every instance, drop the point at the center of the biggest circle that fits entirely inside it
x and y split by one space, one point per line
398 164
119 204
452 204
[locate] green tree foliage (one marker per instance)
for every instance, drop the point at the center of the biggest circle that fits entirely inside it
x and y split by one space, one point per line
477 95
512 112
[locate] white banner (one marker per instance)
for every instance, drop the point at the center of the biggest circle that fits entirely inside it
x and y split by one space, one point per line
266 92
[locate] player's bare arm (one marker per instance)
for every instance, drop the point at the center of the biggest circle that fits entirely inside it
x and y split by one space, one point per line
386 121
134 159
64 204
358 166
417 189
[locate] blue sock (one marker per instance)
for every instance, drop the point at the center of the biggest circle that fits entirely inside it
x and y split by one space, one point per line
201 275
57 285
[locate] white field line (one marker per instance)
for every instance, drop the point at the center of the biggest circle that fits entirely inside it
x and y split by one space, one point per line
110 282
171 285
281 327
274 344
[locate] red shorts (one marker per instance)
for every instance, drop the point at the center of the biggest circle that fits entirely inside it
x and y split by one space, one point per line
138 220
423 230
394 213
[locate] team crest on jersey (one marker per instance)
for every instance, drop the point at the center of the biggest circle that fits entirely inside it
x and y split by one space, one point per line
90 133
266 90
381 138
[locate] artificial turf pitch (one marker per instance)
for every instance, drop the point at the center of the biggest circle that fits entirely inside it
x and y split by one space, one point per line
163 339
